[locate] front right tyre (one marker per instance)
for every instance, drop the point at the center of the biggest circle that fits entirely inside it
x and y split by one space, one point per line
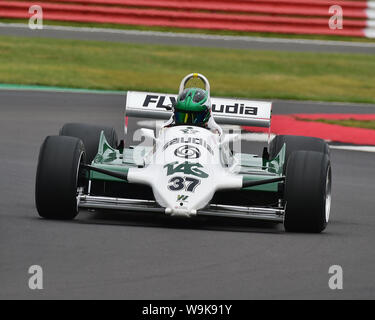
90 136
307 192
57 177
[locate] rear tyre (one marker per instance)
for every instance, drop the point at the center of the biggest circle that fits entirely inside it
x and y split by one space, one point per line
57 177
90 136
296 143
307 192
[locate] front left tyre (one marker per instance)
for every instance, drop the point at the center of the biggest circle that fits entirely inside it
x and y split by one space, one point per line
58 176
307 192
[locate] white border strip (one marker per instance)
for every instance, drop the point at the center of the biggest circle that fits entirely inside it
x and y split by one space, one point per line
370 13
354 148
370 32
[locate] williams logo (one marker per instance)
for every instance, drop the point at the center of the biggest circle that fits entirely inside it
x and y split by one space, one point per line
189 130
182 198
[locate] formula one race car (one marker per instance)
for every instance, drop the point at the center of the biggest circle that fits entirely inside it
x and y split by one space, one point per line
188 170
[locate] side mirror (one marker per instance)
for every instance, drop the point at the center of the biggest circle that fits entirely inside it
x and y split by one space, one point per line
148 133
170 107
228 138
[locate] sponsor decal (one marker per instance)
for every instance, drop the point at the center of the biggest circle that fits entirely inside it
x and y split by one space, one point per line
152 99
186 168
237 109
163 101
189 130
193 140
182 198
187 152
183 183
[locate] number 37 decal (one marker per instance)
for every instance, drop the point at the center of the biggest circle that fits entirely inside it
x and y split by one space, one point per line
179 183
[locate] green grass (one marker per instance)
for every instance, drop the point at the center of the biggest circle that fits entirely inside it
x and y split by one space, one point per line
241 73
365 124
200 31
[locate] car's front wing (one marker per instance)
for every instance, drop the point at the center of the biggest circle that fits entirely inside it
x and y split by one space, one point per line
218 210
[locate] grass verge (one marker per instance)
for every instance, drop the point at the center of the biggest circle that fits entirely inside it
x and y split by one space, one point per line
241 73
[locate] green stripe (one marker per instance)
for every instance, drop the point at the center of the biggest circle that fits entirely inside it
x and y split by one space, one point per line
5 86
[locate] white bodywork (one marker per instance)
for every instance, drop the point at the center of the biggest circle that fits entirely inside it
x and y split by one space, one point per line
187 165
185 170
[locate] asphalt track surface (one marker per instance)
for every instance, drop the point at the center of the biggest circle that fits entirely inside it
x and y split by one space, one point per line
141 256
197 40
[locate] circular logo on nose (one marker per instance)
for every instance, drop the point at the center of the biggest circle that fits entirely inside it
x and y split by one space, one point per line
187 152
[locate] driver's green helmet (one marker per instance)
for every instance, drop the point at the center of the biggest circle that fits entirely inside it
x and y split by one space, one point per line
193 107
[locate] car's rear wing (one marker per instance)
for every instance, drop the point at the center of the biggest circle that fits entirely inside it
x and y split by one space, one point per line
225 110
